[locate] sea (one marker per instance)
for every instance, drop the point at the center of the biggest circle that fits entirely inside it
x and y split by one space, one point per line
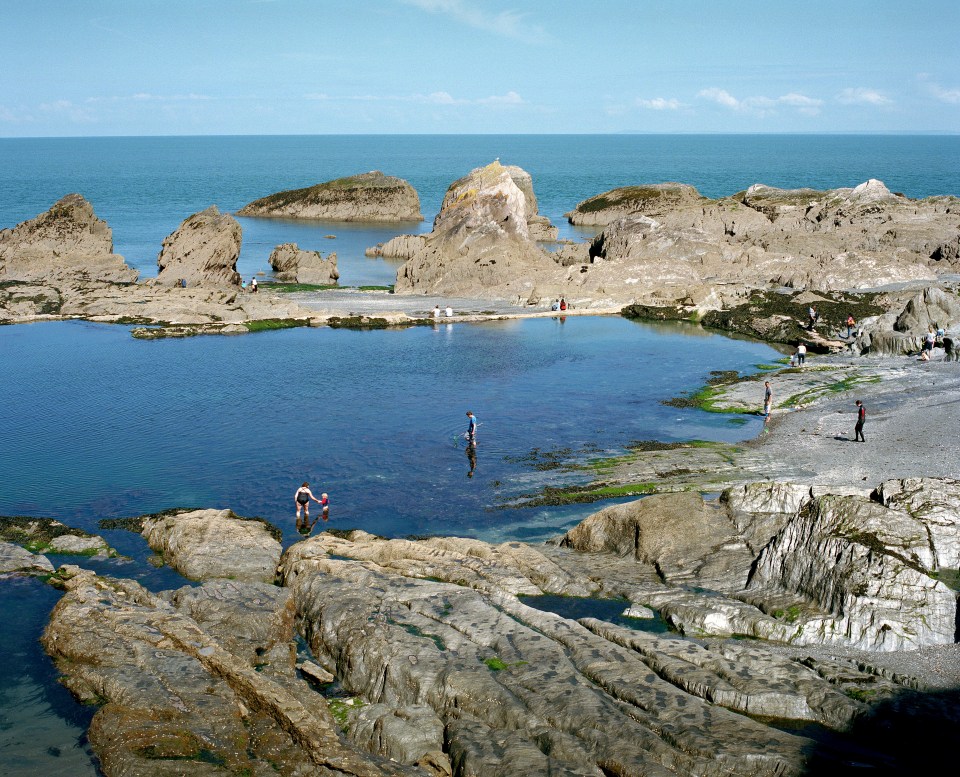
97 425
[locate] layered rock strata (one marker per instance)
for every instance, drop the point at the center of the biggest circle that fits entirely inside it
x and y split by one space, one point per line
293 264
66 243
203 251
369 197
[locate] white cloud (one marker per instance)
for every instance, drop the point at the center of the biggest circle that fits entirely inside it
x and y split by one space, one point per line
863 96
510 98
660 104
945 95
508 24
72 111
760 104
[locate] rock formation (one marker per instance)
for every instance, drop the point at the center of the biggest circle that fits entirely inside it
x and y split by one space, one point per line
400 247
209 544
651 200
452 663
67 243
292 264
369 196
538 227
677 242
203 251
480 244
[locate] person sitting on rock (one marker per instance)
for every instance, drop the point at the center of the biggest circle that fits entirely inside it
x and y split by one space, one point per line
449 312
851 323
563 304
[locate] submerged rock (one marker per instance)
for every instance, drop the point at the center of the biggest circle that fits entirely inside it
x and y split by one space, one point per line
67 242
293 264
369 196
203 251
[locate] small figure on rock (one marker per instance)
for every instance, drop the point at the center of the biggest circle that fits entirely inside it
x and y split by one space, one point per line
555 305
448 312
253 285
861 417
929 340
851 323
563 304
436 312
812 313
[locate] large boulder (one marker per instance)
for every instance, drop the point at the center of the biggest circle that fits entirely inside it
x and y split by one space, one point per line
203 251
369 196
480 244
211 544
291 263
686 539
67 242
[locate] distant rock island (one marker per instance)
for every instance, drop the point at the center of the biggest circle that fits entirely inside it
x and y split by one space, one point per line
369 196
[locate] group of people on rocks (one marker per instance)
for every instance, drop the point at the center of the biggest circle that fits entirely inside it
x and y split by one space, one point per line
447 312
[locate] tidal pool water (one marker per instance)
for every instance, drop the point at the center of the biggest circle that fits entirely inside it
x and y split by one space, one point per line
99 425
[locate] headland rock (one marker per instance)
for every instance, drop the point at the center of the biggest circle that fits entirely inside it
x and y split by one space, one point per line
369 196
203 251
67 243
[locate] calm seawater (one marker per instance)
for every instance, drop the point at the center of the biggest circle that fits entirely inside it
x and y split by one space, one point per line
144 187
98 425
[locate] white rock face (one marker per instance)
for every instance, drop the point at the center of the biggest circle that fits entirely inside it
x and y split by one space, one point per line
203 251
291 263
66 242
866 568
209 544
935 503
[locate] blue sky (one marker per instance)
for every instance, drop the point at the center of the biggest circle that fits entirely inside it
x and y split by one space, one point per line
199 67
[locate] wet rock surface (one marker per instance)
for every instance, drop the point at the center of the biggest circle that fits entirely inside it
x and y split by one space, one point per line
369 196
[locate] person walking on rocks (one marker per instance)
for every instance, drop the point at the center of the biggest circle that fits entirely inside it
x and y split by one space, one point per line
767 403
801 354
302 498
851 323
861 417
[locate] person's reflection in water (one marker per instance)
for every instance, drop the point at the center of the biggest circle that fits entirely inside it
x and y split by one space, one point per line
472 457
305 526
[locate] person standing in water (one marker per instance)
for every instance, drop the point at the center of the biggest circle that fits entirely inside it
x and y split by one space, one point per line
302 499
471 434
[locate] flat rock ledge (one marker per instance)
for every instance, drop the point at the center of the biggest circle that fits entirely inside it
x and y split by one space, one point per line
211 544
368 197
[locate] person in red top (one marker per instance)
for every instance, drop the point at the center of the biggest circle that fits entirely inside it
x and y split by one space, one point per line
861 417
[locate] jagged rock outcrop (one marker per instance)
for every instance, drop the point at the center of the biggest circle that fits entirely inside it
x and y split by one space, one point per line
209 544
199 681
480 244
67 242
879 590
934 307
203 250
291 263
538 227
935 503
369 196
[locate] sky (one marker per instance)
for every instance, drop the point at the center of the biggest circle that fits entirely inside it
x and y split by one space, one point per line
255 67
